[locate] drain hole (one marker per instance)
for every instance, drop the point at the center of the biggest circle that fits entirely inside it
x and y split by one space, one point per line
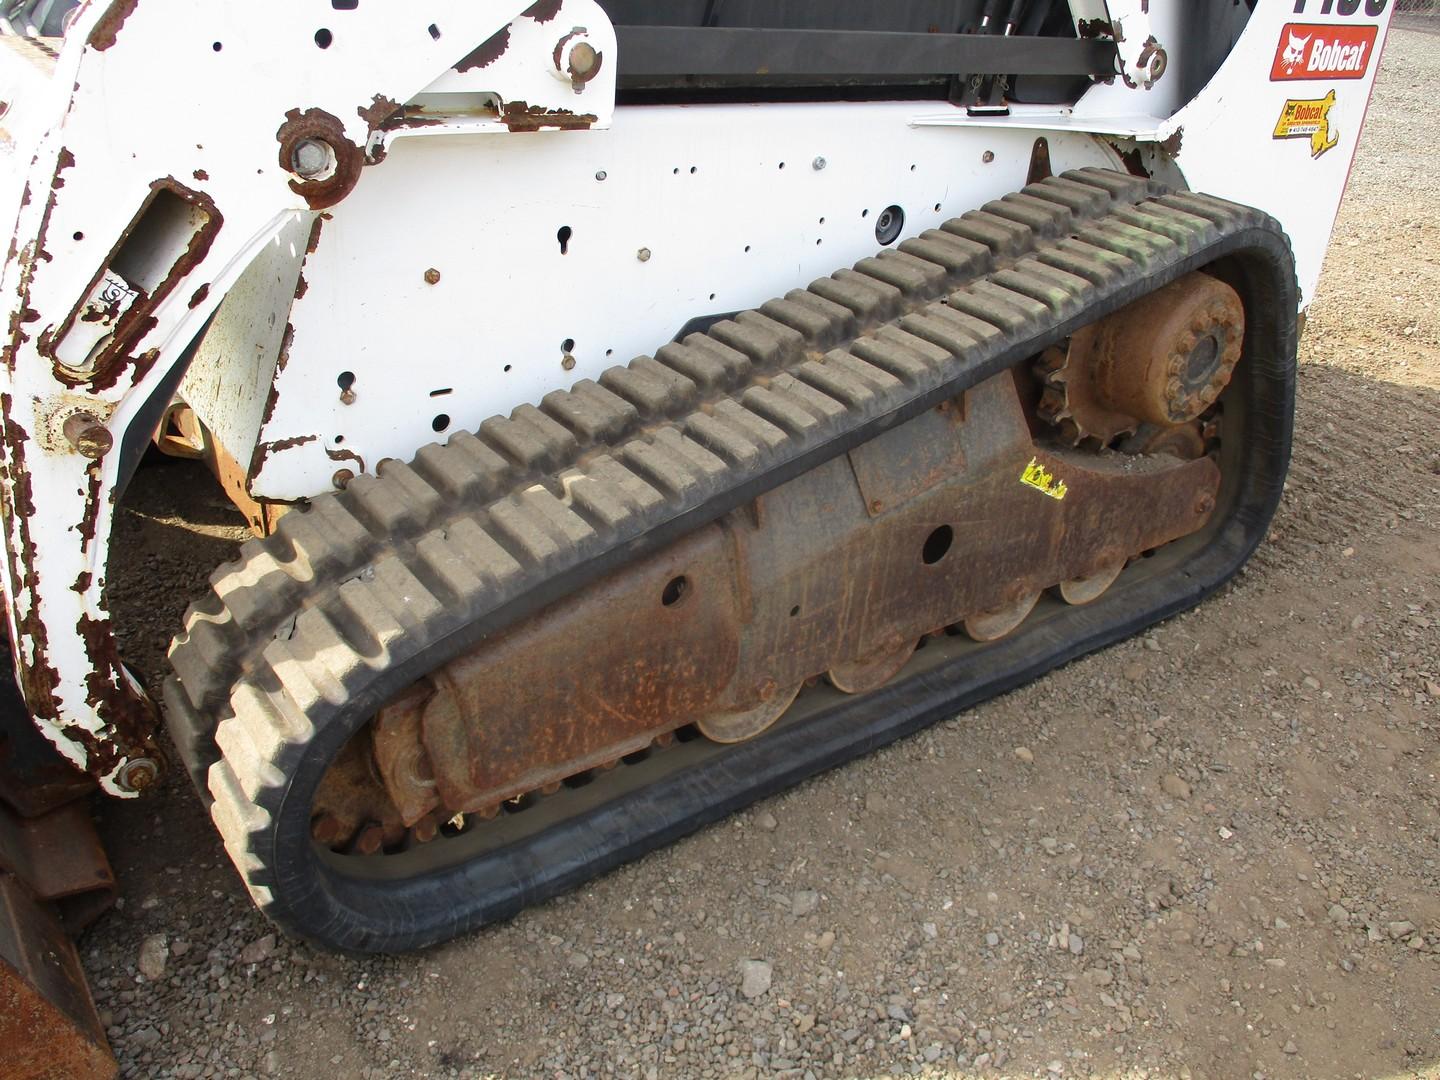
937 544
323 38
440 423
563 235
795 611
345 380
674 589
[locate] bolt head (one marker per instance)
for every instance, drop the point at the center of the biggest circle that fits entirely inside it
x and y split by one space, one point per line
312 158
432 276
87 435
341 479
988 156
584 62
819 163
643 255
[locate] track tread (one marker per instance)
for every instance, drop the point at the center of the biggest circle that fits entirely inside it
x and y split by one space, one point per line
391 567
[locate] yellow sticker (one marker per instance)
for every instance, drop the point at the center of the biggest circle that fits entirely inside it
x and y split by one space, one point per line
1308 118
1038 477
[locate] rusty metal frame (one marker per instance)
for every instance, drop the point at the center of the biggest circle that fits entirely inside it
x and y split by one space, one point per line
104 297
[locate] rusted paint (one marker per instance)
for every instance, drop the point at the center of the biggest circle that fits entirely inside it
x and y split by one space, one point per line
198 296
343 454
487 52
108 28
1039 161
38 679
1131 157
737 614
542 11
378 111
1171 145
349 158
200 174
518 116
1094 28
113 362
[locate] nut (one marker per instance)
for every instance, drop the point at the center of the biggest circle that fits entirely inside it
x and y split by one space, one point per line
312 159
432 276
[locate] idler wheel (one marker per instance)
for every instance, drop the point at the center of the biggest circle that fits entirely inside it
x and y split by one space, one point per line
862 676
996 623
742 724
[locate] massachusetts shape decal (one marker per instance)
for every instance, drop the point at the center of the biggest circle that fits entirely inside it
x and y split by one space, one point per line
1308 118
1322 51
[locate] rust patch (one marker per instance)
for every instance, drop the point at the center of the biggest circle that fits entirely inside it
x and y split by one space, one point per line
198 297
301 285
542 11
487 52
314 240
200 174
131 720
1134 165
518 116
108 28
265 449
349 158
346 455
1094 28
1171 145
378 111
38 679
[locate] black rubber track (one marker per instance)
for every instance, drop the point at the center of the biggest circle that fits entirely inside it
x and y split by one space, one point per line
265 782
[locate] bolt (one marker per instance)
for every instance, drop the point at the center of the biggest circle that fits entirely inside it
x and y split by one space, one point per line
818 164
766 688
137 774
988 156
347 397
1205 503
567 362
311 158
876 506
342 478
87 435
643 254
432 276
601 175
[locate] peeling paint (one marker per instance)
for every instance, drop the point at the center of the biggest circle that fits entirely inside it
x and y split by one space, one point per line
487 52
108 28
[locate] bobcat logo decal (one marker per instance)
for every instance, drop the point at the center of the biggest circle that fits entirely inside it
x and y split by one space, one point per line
1309 118
1294 54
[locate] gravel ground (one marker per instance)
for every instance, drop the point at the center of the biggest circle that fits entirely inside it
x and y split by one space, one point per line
1210 851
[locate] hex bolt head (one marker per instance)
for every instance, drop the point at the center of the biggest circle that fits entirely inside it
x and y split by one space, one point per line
312 158
643 255
988 156
432 276
87 435
818 164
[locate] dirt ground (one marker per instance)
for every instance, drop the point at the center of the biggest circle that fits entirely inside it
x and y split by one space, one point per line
1208 852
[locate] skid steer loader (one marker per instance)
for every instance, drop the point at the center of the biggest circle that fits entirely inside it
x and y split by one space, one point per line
640 407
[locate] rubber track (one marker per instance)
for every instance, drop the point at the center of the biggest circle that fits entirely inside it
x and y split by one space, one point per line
305 632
